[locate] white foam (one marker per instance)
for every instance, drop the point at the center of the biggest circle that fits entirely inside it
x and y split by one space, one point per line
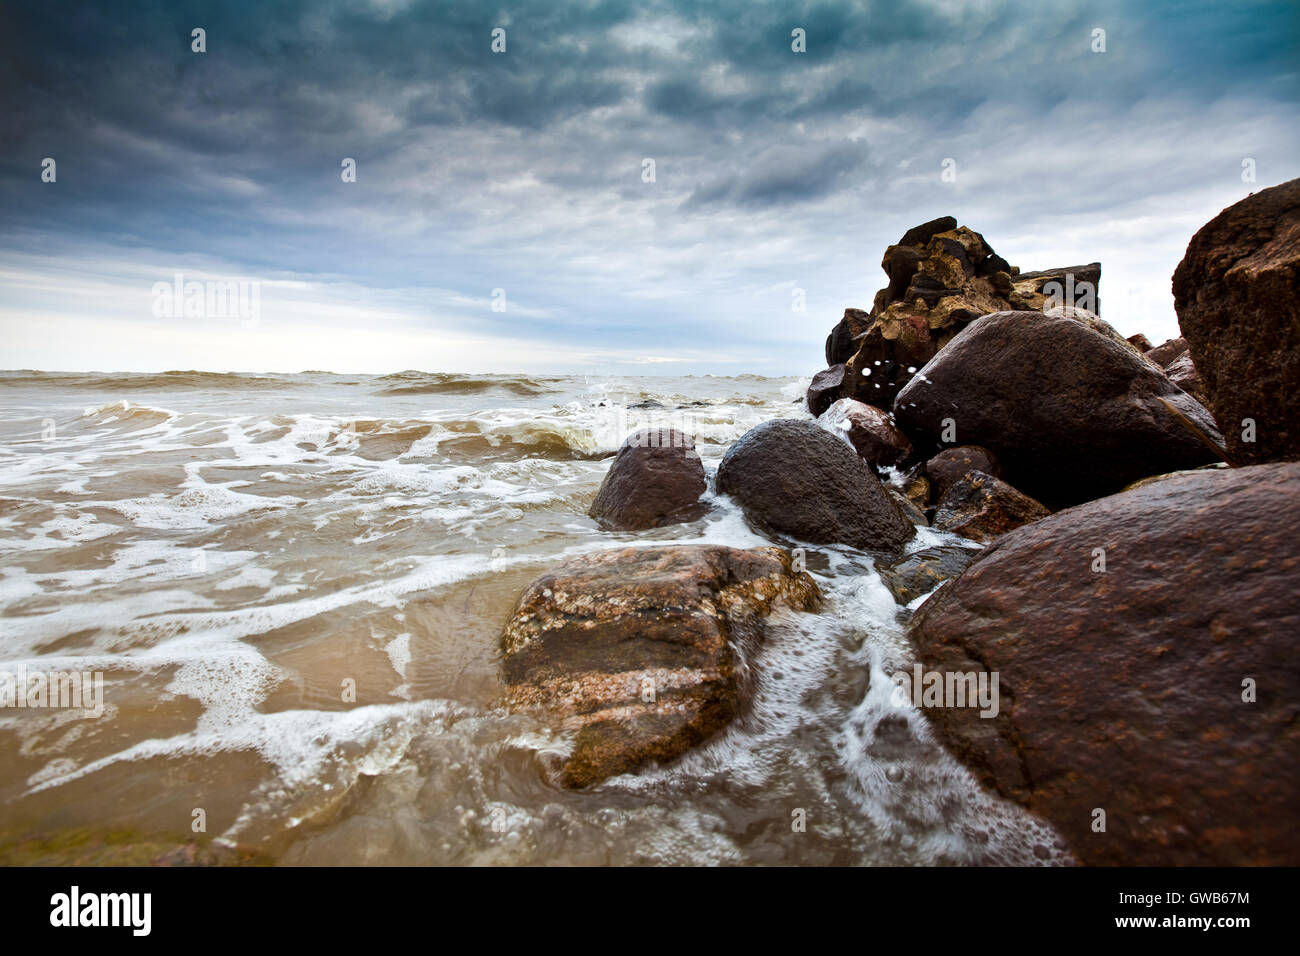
194 508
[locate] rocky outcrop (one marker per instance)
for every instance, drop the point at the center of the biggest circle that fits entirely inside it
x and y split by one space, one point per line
824 389
1140 342
1237 294
1145 647
869 431
656 479
945 468
1071 414
980 507
641 652
793 478
941 278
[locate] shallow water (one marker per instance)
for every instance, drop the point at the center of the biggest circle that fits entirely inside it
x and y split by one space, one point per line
234 552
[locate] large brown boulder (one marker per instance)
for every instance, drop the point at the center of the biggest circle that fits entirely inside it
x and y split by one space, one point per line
1237 294
1129 689
1071 414
942 277
793 478
641 651
870 431
656 479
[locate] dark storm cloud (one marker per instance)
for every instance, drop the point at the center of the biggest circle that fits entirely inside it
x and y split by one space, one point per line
785 174
524 170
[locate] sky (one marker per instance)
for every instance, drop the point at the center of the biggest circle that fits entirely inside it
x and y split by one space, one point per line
503 217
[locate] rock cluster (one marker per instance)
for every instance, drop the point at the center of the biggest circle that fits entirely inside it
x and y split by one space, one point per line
942 277
1129 630
1141 634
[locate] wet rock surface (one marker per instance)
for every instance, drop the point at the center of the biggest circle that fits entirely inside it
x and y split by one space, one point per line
641 652
922 571
1071 414
655 479
1122 690
980 507
825 389
869 430
793 478
949 465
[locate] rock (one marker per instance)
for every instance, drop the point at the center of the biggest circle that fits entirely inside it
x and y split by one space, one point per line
941 278
1176 362
656 479
1096 323
910 509
1123 690
1237 295
1182 372
1163 355
922 234
868 430
922 571
1152 479
1066 286
980 507
917 488
840 344
1140 342
643 651
950 464
1071 414
824 389
793 478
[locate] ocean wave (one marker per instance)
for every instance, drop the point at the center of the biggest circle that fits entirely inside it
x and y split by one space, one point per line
438 383
126 413
112 381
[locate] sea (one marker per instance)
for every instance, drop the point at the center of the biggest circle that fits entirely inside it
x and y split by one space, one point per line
292 589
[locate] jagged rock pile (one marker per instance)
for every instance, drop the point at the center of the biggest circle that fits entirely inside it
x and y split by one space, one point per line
942 277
